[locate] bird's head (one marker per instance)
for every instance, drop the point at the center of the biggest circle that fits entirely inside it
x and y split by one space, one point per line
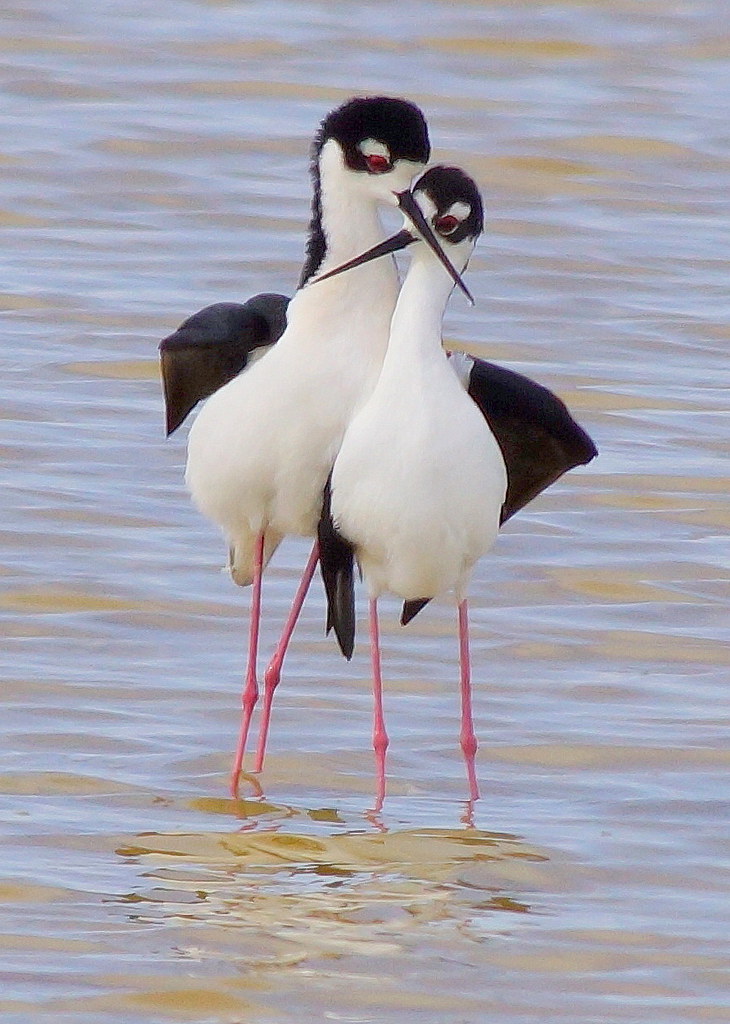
374 145
445 202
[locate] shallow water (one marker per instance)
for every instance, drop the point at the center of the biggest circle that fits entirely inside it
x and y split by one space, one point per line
153 160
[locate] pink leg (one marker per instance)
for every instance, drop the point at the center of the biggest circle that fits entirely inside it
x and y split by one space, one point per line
250 690
467 736
273 672
380 736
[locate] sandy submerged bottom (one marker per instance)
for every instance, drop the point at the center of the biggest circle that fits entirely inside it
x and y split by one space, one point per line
283 910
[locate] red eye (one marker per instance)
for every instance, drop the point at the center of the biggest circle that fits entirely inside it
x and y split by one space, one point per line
447 224
377 164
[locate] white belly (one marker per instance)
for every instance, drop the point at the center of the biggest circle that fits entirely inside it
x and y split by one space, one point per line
261 448
418 489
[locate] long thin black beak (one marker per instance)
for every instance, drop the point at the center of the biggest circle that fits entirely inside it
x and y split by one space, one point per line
392 244
399 241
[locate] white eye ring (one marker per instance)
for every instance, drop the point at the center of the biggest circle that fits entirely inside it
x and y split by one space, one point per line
459 210
371 147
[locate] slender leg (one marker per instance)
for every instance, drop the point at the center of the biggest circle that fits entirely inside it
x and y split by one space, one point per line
272 675
467 736
380 736
250 690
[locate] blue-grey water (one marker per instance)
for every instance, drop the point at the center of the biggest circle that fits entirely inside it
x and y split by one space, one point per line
153 159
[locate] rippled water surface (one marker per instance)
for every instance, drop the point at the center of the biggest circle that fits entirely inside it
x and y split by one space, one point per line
153 160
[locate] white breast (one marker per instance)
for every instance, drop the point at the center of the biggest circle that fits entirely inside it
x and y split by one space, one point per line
261 449
419 484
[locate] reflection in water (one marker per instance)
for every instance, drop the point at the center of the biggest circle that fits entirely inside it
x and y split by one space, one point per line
355 892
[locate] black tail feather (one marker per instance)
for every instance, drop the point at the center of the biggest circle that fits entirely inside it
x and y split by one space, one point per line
412 608
337 564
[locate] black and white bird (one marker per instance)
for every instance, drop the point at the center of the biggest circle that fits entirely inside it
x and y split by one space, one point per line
263 444
431 465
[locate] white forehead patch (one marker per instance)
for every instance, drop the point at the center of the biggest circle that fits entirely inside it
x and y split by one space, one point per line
371 147
459 210
428 207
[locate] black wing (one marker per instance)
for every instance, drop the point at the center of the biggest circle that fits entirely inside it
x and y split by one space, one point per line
212 347
337 564
538 437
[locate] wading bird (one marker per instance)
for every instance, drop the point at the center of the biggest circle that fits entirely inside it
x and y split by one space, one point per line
263 444
431 465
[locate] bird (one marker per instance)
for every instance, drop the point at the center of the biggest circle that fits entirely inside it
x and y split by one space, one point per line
262 445
444 451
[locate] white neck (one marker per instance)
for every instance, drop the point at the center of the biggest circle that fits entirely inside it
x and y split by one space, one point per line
416 327
350 217
351 311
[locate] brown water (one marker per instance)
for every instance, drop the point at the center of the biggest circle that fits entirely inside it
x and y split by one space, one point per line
153 160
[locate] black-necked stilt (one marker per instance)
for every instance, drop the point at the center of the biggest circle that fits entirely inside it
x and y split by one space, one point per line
262 446
426 473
